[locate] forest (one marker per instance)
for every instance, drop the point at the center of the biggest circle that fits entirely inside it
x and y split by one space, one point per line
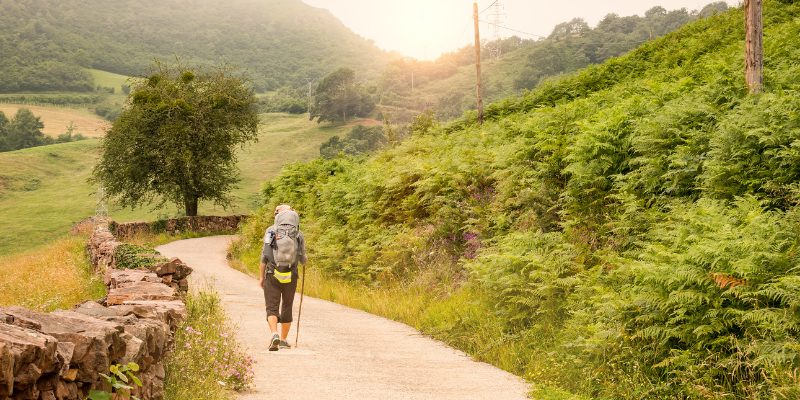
629 230
47 45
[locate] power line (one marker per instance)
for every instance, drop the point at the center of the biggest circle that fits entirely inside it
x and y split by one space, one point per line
504 27
458 46
488 7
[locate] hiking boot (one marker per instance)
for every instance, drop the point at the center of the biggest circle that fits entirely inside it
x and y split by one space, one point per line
284 345
273 345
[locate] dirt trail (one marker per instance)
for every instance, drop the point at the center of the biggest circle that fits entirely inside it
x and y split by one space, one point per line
343 353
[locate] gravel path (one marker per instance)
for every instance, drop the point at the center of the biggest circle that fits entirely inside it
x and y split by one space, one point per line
343 353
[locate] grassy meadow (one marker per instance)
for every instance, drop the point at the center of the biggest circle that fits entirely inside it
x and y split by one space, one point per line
109 80
44 190
56 119
26 278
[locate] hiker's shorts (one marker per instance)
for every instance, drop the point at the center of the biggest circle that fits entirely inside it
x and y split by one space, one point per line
279 297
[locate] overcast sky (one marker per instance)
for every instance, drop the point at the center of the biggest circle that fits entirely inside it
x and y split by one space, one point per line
408 25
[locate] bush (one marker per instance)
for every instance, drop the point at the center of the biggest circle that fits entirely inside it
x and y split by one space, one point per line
207 362
131 256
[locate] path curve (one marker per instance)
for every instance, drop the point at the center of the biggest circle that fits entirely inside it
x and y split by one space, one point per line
343 353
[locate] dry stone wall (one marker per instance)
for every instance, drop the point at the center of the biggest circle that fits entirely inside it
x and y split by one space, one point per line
59 355
201 224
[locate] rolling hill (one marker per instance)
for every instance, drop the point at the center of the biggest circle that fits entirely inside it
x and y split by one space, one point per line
43 190
49 45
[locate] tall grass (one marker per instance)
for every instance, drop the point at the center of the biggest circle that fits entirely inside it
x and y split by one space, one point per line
59 275
207 363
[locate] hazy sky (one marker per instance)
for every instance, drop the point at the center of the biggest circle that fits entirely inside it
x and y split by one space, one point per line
408 25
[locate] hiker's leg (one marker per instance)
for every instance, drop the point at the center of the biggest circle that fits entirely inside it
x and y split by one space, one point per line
273 323
272 299
285 329
287 295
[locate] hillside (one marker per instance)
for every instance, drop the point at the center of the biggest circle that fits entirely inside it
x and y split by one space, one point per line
48 45
43 190
448 84
627 231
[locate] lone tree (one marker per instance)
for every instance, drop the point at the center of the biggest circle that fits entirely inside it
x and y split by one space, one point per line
339 94
176 139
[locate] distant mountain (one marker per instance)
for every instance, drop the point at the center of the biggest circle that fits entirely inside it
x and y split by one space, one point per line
49 44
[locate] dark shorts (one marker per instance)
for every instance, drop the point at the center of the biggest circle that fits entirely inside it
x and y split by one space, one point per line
279 297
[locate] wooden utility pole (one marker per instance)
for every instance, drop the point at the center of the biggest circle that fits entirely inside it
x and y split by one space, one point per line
754 46
478 62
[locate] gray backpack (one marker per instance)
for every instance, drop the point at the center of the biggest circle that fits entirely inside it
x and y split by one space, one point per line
284 244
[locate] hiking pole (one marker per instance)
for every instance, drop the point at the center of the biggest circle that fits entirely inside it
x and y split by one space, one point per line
300 310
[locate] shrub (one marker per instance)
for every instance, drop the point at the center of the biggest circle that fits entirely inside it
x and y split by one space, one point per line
131 256
207 362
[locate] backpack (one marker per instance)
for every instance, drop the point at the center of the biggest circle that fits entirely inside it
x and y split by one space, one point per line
284 239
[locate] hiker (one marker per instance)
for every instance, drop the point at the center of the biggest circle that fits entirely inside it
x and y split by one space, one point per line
284 248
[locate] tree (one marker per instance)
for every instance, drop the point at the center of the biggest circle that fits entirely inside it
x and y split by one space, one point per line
361 139
5 144
176 139
25 131
337 94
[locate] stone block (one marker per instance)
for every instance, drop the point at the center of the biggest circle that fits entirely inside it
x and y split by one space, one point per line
96 343
67 390
168 312
33 353
164 268
140 291
182 271
6 370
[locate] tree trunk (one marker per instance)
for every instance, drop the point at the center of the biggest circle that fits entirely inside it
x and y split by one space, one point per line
191 207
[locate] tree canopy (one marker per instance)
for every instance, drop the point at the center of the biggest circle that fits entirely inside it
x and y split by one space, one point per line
23 131
361 139
339 94
176 140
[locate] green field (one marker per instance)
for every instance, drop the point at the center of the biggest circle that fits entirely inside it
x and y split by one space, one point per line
109 79
43 190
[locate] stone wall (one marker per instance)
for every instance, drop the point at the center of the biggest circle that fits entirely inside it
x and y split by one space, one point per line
59 355
201 224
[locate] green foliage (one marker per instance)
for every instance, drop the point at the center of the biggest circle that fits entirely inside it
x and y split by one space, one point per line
131 256
629 230
118 380
23 131
340 94
361 139
50 44
423 123
67 136
207 362
714 297
176 141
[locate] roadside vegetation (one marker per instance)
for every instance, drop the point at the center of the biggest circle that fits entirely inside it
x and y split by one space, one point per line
27 279
207 363
628 231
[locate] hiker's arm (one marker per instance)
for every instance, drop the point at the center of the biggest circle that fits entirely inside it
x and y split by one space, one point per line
301 249
263 267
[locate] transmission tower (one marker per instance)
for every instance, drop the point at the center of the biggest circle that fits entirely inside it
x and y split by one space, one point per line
100 207
495 49
310 82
